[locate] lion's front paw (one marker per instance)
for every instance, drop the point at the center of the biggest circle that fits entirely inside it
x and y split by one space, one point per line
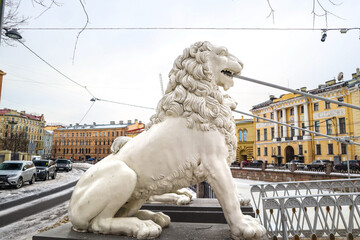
157 217
248 228
183 200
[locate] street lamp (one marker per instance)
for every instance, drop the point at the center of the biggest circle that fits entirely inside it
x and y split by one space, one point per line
12 33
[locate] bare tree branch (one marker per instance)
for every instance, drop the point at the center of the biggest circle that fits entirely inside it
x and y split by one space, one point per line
77 37
272 12
13 19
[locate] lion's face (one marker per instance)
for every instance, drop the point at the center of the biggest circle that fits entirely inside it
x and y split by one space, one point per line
224 66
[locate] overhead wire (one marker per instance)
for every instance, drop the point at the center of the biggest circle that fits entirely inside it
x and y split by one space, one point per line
185 28
46 62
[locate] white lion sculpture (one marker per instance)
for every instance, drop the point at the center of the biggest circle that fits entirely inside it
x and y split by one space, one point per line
191 138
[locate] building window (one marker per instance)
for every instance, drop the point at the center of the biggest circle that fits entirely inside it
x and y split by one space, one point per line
340 99
258 135
272 133
342 126
291 111
318 149
271 115
281 114
292 131
265 151
300 147
265 134
330 149
245 135
240 136
281 131
257 119
327 105
317 126
303 127
329 127
279 150
343 148
302 109
258 151
316 107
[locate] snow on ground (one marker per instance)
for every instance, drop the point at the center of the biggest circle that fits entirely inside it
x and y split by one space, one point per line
9 194
30 226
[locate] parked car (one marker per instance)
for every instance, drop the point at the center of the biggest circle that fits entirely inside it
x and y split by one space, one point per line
299 164
45 169
256 164
15 173
63 164
343 166
319 164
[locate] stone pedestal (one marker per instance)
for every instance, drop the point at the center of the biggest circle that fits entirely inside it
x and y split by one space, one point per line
176 231
202 219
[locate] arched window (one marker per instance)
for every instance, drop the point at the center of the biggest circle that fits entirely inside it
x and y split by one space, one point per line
245 135
240 136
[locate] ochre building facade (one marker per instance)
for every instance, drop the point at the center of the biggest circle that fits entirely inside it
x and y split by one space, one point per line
278 144
80 142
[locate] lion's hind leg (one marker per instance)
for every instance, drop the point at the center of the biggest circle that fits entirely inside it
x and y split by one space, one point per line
118 193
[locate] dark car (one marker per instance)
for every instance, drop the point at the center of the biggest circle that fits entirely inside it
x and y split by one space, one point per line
63 165
256 164
343 166
319 164
45 169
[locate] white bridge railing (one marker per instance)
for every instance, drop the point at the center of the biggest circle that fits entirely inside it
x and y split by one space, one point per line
311 209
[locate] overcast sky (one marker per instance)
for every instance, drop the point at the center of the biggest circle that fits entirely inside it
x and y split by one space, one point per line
124 65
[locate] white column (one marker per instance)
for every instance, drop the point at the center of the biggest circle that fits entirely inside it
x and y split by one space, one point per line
284 121
296 120
276 127
306 118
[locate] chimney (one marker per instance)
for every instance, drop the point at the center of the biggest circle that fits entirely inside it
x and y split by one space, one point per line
112 122
94 123
135 120
70 125
303 89
129 121
121 122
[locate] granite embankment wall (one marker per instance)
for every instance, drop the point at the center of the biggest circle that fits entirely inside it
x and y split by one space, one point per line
272 175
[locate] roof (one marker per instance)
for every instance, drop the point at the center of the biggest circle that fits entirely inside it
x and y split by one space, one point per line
320 89
97 126
22 114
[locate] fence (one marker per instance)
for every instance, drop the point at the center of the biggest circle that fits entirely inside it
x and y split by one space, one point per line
328 208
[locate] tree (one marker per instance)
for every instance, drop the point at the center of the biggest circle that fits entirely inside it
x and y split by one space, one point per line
13 19
15 142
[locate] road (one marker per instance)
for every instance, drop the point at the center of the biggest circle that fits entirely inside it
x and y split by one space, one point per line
23 212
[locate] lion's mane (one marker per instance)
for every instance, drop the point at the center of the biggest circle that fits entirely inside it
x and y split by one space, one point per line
192 93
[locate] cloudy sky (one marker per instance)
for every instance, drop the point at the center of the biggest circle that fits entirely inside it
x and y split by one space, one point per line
124 65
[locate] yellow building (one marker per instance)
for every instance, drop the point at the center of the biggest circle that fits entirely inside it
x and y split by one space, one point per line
135 129
279 144
32 126
245 137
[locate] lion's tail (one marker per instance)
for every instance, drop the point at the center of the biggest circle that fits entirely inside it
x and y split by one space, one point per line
118 143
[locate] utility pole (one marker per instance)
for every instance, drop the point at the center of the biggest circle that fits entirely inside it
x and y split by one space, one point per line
2 7
1 76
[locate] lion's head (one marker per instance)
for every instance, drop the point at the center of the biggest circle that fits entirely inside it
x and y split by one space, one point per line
193 91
